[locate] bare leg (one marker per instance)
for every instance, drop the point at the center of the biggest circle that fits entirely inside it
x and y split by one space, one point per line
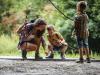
50 47
81 60
37 55
63 50
28 46
81 53
51 55
87 54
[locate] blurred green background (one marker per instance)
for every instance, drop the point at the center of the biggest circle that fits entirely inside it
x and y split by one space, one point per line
14 12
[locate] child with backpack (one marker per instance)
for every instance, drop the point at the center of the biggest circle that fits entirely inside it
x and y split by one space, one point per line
31 37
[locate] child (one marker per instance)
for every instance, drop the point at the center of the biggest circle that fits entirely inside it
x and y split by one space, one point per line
57 42
32 37
81 30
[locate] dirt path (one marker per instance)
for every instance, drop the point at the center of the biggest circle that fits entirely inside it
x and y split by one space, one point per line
29 67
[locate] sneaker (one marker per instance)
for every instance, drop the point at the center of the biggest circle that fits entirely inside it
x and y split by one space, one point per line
88 60
63 57
80 61
24 58
51 56
38 57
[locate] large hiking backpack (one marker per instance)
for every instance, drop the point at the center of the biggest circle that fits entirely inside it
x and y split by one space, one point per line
26 31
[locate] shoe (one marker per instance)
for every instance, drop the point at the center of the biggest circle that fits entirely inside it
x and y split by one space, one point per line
24 58
81 60
88 60
51 56
37 56
63 57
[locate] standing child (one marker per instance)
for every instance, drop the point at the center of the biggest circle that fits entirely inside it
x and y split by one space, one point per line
57 42
81 31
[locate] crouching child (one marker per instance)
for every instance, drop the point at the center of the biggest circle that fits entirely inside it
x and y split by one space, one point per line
57 43
31 36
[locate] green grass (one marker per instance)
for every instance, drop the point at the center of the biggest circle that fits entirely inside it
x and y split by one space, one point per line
8 47
32 54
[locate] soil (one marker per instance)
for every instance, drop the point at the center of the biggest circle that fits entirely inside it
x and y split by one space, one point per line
30 67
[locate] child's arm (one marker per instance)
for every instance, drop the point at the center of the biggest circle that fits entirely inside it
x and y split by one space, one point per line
73 30
62 40
60 37
43 43
75 26
73 33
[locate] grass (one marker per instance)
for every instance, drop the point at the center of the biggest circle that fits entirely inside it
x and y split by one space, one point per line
32 54
8 47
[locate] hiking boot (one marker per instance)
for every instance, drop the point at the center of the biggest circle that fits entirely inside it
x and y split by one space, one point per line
62 56
51 56
88 60
81 60
24 58
24 53
37 56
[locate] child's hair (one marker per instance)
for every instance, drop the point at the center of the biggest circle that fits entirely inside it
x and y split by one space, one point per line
40 22
50 27
82 5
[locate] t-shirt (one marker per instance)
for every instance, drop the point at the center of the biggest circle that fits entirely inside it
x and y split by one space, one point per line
81 27
55 38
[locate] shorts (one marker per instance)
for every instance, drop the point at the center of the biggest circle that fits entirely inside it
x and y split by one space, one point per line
82 42
22 42
57 48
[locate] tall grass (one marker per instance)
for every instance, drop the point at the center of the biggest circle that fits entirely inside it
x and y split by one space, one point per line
8 47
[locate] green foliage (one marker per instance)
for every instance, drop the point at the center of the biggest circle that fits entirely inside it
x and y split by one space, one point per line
8 45
52 16
94 15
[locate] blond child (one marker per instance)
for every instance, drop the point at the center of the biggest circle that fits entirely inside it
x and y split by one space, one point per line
81 30
57 42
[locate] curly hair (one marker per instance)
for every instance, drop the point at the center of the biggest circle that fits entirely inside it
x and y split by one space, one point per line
40 22
50 27
82 5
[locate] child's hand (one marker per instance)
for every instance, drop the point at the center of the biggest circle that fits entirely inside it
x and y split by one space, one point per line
73 34
46 53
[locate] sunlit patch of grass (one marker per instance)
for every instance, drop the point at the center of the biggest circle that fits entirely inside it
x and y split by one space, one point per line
8 47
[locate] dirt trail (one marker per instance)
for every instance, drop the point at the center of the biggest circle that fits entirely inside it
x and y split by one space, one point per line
29 67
